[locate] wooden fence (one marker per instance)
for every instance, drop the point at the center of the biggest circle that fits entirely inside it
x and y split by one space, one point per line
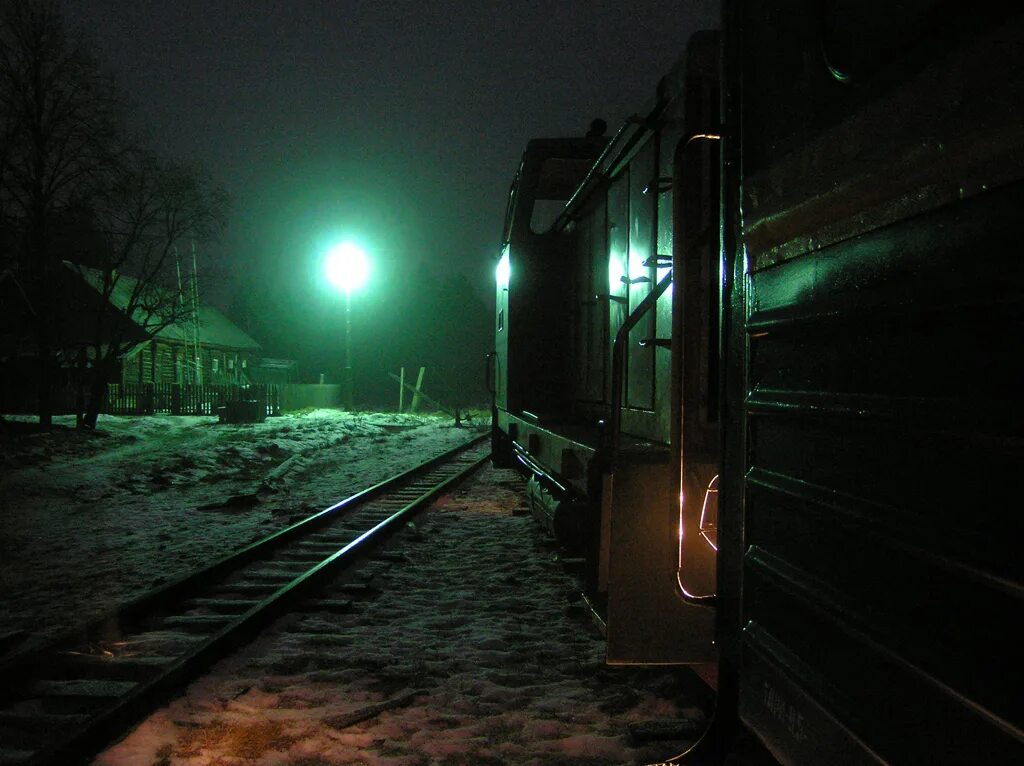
180 399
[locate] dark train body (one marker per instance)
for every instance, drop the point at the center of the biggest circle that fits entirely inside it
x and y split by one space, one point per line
763 371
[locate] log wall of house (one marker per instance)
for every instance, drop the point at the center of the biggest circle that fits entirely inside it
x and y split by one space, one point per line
166 363
161 362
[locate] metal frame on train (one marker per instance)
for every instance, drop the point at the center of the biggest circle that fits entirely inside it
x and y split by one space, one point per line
820 301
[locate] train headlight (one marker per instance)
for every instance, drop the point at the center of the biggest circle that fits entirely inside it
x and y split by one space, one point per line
504 270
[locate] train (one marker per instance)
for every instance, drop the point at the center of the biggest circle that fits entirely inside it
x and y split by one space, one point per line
757 354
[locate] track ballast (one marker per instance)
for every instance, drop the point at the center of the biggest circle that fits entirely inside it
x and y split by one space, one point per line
67 697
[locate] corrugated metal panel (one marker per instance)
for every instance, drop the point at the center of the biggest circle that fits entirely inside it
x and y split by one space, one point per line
883 432
881 429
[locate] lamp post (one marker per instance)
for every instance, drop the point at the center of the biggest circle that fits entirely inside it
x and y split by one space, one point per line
347 268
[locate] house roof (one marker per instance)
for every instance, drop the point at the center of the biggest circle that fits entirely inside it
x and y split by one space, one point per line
215 329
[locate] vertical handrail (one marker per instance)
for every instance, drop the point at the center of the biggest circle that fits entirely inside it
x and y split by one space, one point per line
680 163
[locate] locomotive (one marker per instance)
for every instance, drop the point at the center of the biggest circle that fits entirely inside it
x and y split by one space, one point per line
757 354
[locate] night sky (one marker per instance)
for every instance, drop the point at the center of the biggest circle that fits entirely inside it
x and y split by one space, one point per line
399 124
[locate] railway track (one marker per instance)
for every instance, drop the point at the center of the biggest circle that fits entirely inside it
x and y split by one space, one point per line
64 699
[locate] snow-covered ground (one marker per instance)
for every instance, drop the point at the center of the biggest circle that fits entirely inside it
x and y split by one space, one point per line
475 646
88 520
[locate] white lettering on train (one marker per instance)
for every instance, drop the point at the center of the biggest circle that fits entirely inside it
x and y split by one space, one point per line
784 711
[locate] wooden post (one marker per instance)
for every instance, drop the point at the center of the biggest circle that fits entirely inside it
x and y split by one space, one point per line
419 387
423 394
401 390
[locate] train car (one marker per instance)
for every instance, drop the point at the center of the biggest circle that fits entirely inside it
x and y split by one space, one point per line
869 577
605 370
802 303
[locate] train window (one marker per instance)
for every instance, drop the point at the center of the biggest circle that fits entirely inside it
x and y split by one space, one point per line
545 213
558 178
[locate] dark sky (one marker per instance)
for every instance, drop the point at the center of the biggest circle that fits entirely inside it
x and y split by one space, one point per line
399 124
399 121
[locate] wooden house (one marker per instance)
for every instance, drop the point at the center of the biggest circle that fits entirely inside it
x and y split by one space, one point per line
212 350
200 346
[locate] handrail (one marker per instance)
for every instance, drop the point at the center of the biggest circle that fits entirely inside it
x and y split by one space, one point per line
539 473
631 121
643 125
619 360
679 163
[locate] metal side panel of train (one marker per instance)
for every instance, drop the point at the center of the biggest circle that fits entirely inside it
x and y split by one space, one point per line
605 358
871 512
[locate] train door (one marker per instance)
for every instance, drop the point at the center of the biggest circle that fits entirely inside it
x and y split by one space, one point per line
634 207
591 312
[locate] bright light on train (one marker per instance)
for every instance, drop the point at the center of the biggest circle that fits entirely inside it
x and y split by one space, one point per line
615 273
504 270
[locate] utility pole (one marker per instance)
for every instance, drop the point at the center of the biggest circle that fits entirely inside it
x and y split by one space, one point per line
195 317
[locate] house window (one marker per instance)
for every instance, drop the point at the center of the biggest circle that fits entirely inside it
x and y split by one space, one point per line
231 363
214 363
245 363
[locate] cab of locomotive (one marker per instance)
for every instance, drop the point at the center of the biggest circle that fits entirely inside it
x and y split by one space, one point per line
529 366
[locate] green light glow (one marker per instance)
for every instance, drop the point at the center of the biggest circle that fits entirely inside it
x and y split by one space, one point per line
615 273
346 266
504 270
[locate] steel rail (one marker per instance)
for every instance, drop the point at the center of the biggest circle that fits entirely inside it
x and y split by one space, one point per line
70 737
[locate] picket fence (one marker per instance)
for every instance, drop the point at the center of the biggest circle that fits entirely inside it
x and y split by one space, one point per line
185 399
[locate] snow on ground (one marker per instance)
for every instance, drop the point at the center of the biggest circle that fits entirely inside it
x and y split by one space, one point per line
88 520
473 646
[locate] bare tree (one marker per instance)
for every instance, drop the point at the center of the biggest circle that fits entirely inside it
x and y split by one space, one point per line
149 210
60 132
64 151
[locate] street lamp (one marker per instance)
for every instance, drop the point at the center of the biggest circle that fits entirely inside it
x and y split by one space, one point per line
347 268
